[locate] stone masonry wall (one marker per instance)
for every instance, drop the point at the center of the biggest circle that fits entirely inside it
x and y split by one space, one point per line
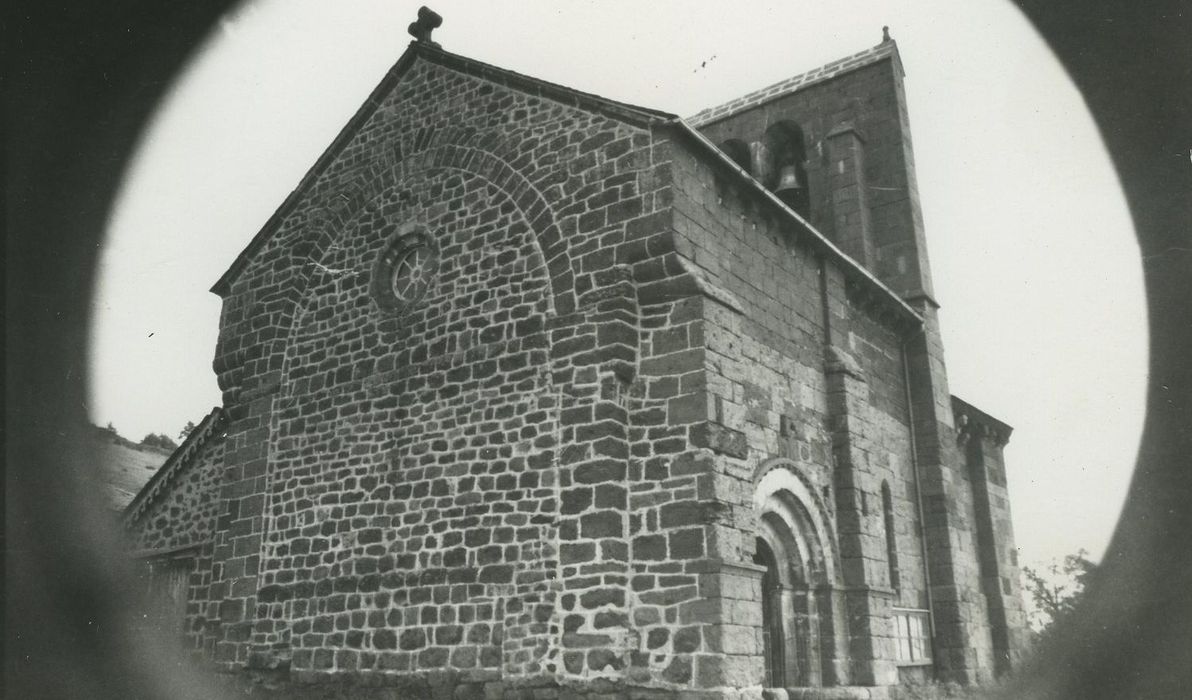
184 514
861 177
962 644
181 524
983 439
765 364
878 351
397 500
410 456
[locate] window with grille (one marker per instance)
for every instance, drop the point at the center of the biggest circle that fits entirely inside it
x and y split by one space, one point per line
912 633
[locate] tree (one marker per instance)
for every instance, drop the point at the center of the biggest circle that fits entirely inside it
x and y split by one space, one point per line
1056 591
190 426
161 441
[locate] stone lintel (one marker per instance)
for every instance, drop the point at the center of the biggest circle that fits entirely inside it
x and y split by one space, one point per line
721 566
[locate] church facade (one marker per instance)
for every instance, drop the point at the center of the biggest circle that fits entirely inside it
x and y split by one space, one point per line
530 393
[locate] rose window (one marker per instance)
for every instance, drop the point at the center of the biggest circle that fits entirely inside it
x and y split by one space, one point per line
412 274
405 272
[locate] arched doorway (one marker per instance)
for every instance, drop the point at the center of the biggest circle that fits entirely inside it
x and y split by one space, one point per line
773 633
795 552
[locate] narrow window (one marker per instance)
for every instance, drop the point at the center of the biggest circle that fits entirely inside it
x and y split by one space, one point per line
891 540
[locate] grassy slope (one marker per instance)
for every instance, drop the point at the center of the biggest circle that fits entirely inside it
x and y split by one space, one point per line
122 467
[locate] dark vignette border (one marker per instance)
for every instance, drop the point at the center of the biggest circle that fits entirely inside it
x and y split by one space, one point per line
81 81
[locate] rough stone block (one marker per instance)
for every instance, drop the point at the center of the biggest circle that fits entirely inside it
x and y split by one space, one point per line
720 439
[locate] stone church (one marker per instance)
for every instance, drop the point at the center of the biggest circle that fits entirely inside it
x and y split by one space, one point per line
532 393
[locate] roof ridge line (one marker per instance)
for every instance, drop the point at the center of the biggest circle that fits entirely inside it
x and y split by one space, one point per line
647 114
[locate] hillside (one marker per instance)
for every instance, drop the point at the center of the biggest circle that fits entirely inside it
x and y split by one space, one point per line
122 466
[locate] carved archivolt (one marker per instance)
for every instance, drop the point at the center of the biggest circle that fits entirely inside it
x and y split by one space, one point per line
794 521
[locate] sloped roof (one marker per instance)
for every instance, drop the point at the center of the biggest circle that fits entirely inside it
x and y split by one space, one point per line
886 49
186 453
632 114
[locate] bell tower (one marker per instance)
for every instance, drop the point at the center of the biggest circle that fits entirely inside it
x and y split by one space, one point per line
834 144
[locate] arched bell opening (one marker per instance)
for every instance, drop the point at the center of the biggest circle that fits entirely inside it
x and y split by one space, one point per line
787 176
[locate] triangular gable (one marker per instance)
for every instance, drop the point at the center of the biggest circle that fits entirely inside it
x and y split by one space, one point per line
632 114
191 448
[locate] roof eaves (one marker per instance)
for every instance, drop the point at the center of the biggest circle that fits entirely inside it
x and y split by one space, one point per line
851 267
784 87
180 457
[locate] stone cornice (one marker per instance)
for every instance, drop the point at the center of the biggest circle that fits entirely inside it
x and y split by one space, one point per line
972 422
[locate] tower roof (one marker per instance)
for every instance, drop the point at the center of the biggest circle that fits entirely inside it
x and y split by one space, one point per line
887 49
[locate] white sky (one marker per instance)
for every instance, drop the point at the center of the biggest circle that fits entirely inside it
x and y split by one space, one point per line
1031 245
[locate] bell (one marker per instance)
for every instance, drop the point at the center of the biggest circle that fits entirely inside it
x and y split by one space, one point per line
791 189
789 182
